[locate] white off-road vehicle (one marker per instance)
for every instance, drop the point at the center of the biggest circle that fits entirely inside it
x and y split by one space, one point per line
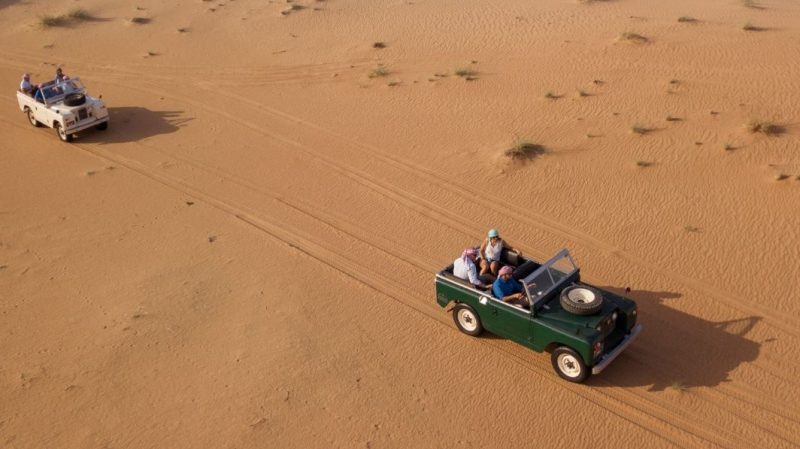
64 106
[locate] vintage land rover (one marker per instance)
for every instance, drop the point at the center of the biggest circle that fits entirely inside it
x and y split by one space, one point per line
583 327
64 106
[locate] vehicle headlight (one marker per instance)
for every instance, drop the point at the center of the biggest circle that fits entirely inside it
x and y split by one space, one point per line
634 312
614 316
599 328
598 348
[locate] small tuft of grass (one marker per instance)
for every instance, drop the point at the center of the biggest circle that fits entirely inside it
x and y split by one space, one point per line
690 228
671 118
748 26
379 45
633 37
393 83
140 20
582 93
464 72
678 386
48 21
79 14
752 4
523 149
379 72
781 176
764 127
183 30
550 95
728 147
643 164
640 129
687 19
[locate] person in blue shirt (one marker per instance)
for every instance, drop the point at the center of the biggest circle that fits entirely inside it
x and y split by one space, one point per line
508 289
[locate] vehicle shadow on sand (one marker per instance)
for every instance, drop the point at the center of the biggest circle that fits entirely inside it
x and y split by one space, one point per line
678 350
129 124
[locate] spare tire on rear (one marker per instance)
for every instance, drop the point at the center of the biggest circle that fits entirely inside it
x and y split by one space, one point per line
581 300
75 99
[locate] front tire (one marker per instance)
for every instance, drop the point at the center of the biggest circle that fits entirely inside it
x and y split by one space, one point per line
31 119
569 365
467 320
63 134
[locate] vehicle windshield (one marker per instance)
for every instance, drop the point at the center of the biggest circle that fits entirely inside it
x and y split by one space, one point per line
54 93
549 276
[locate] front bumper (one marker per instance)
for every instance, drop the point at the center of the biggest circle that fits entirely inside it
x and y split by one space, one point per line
608 358
85 124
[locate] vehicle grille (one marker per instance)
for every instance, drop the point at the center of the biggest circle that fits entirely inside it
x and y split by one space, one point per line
82 114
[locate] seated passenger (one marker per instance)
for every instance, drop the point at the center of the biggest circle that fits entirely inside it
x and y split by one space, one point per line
66 86
509 289
25 84
491 250
464 268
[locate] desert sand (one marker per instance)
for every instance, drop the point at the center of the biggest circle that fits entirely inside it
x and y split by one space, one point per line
245 258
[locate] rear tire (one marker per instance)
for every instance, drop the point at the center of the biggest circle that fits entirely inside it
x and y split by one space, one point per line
31 119
101 127
63 134
467 320
569 365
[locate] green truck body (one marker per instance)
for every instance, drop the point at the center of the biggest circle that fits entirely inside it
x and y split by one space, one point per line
582 341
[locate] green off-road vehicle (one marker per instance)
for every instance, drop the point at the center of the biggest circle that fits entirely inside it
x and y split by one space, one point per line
583 327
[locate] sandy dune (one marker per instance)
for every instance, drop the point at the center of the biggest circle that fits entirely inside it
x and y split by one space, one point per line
245 258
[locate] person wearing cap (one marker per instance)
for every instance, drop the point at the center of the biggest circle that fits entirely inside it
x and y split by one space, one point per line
491 250
507 288
25 84
464 268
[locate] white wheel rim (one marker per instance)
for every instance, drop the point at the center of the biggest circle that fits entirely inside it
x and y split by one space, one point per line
62 133
582 296
569 365
467 320
30 118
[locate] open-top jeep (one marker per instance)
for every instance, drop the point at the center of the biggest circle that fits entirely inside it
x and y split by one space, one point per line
584 327
64 106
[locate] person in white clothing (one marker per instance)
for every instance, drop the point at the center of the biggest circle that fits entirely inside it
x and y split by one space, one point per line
25 84
491 250
464 268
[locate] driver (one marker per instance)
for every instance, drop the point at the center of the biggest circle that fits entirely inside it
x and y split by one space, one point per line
509 289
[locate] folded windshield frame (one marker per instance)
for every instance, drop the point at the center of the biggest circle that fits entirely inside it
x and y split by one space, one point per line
549 276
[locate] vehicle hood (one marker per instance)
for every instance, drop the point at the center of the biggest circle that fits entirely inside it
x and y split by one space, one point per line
553 314
60 107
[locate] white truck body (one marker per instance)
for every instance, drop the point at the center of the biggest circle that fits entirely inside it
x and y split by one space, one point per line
50 108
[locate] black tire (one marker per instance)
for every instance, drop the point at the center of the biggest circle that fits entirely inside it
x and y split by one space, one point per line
75 99
35 123
101 127
62 135
569 365
581 300
467 320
